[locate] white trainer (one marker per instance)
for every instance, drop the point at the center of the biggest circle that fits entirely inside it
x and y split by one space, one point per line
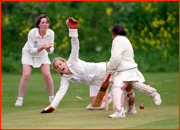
99 108
118 114
130 111
90 107
157 99
19 102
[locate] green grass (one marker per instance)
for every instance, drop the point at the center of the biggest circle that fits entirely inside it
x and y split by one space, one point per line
72 114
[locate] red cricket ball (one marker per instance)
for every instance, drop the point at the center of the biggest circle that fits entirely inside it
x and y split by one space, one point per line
141 106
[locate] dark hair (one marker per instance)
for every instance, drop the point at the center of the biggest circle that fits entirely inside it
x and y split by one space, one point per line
39 19
119 30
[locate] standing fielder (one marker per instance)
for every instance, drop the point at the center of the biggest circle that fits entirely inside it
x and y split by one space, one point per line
35 53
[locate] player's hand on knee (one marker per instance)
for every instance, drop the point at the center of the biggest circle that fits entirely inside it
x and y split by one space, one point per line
48 109
72 23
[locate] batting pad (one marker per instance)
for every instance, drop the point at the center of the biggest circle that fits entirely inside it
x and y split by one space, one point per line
143 88
116 91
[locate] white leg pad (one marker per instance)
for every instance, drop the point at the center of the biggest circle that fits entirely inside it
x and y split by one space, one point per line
143 88
116 91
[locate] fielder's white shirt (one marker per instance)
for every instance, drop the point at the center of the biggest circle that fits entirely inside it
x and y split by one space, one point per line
83 72
122 55
35 40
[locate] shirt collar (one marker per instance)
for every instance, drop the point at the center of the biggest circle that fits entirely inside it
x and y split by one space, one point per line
38 35
69 66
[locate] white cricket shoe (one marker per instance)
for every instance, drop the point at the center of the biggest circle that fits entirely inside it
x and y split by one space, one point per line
90 107
99 108
157 99
19 102
118 114
130 111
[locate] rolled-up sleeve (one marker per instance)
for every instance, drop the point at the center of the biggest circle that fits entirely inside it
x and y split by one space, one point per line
51 49
51 41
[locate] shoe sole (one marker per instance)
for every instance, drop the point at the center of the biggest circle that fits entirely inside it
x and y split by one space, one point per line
117 117
18 105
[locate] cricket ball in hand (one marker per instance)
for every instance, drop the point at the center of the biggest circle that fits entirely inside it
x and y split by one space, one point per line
141 106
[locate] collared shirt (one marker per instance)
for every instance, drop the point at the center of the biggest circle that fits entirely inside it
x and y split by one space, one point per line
35 40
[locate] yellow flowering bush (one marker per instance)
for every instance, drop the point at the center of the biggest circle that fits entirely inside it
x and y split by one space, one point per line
151 26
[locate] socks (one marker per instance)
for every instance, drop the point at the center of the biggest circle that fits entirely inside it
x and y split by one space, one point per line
51 98
20 98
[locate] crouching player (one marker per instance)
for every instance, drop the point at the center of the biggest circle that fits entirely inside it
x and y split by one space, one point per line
76 70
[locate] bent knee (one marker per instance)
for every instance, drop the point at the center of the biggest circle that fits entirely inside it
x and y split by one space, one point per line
130 95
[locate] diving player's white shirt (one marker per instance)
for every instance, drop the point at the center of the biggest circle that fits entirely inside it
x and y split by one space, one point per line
83 72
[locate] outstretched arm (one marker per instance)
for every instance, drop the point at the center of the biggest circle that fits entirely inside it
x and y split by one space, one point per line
72 24
58 97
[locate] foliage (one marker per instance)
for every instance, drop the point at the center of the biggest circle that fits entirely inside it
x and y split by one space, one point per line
151 26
